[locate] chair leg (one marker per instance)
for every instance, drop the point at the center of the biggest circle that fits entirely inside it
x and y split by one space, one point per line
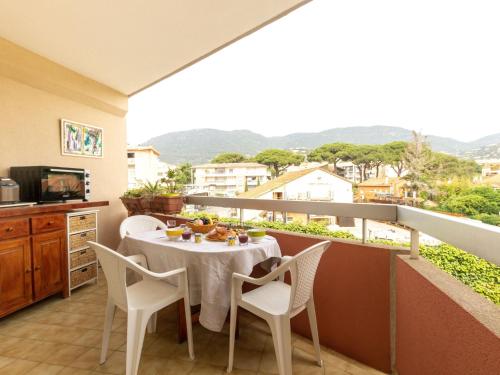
311 312
286 343
232 334
108 323
282 343
152 323
189 325
136 328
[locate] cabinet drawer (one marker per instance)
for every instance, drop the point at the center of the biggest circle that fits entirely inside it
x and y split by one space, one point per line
82 275
79 258
82 222
47 223
14 228
80 239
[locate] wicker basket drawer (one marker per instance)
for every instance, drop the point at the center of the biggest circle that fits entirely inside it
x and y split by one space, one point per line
82 222
81 257
80 239
83 274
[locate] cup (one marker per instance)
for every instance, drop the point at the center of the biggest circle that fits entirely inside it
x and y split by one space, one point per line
243 239
186 235
171 223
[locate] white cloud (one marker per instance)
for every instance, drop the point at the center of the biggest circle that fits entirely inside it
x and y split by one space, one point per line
426 65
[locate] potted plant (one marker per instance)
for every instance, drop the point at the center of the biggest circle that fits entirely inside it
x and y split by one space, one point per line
169 200
135 201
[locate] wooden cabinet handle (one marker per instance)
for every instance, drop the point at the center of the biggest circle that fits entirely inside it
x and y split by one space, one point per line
37 268
28 270
10 229
50 222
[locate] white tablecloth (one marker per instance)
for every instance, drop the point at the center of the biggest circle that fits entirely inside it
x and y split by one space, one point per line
210 266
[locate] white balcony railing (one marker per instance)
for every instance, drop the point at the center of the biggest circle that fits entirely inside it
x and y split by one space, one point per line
474 237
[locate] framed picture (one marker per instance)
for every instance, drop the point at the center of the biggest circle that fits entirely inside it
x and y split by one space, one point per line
78 139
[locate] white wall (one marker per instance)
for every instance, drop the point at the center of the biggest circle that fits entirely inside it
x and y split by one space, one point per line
317 185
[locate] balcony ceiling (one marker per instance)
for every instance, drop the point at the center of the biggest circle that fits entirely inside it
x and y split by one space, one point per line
129 45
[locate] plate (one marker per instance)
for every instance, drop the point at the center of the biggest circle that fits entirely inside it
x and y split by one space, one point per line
211 240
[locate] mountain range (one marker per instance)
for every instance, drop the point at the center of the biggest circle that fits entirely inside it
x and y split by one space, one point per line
201 145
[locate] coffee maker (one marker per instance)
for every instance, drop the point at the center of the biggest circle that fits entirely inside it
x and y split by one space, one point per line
9 191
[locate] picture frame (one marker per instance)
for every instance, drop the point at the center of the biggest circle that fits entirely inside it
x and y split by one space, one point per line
79 139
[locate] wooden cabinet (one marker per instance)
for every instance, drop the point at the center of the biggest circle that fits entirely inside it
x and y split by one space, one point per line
33 260
34 252
15 275
49 264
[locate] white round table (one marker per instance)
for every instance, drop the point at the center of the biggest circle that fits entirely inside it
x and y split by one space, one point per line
210 266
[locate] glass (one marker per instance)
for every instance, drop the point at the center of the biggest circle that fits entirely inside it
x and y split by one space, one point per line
171 223
243 238
186 235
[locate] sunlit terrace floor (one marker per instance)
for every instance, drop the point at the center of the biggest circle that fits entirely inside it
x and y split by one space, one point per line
62 336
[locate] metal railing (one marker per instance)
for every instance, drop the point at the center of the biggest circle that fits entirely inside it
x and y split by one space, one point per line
474 237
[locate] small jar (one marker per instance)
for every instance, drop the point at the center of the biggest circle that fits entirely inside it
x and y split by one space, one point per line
231 241
197 238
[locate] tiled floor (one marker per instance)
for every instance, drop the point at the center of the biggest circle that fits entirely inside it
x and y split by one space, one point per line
62 336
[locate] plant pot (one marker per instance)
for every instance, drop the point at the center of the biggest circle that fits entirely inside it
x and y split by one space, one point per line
137 205
167 205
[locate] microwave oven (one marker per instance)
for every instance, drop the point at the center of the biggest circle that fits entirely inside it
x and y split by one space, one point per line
44 184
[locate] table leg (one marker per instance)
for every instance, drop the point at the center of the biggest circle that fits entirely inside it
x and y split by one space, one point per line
181 322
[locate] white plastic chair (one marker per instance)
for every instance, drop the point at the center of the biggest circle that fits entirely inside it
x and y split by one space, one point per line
141 300
140 223
277 302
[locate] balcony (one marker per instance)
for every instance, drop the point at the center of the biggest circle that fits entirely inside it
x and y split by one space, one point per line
380 310
388 307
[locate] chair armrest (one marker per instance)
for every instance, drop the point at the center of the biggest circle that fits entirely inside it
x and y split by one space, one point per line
153 275
265 279
139 259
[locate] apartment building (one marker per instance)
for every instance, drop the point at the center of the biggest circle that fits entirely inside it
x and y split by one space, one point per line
229 179
144 165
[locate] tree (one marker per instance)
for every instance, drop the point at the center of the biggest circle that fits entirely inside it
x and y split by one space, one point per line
278 160
229 157
362 156
331 153
182 175
417 158
394 156
470 204
444 167
377 157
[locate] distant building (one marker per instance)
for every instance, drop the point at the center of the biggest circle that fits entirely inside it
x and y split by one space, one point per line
350 171
229 179
489 167
381 188
144 165
493 181
311 184
306 165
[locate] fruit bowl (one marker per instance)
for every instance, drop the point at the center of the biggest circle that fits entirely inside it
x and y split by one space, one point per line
200 228
174 234
256 235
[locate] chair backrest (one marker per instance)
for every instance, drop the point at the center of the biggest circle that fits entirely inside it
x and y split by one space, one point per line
140 223
114 266
303 269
